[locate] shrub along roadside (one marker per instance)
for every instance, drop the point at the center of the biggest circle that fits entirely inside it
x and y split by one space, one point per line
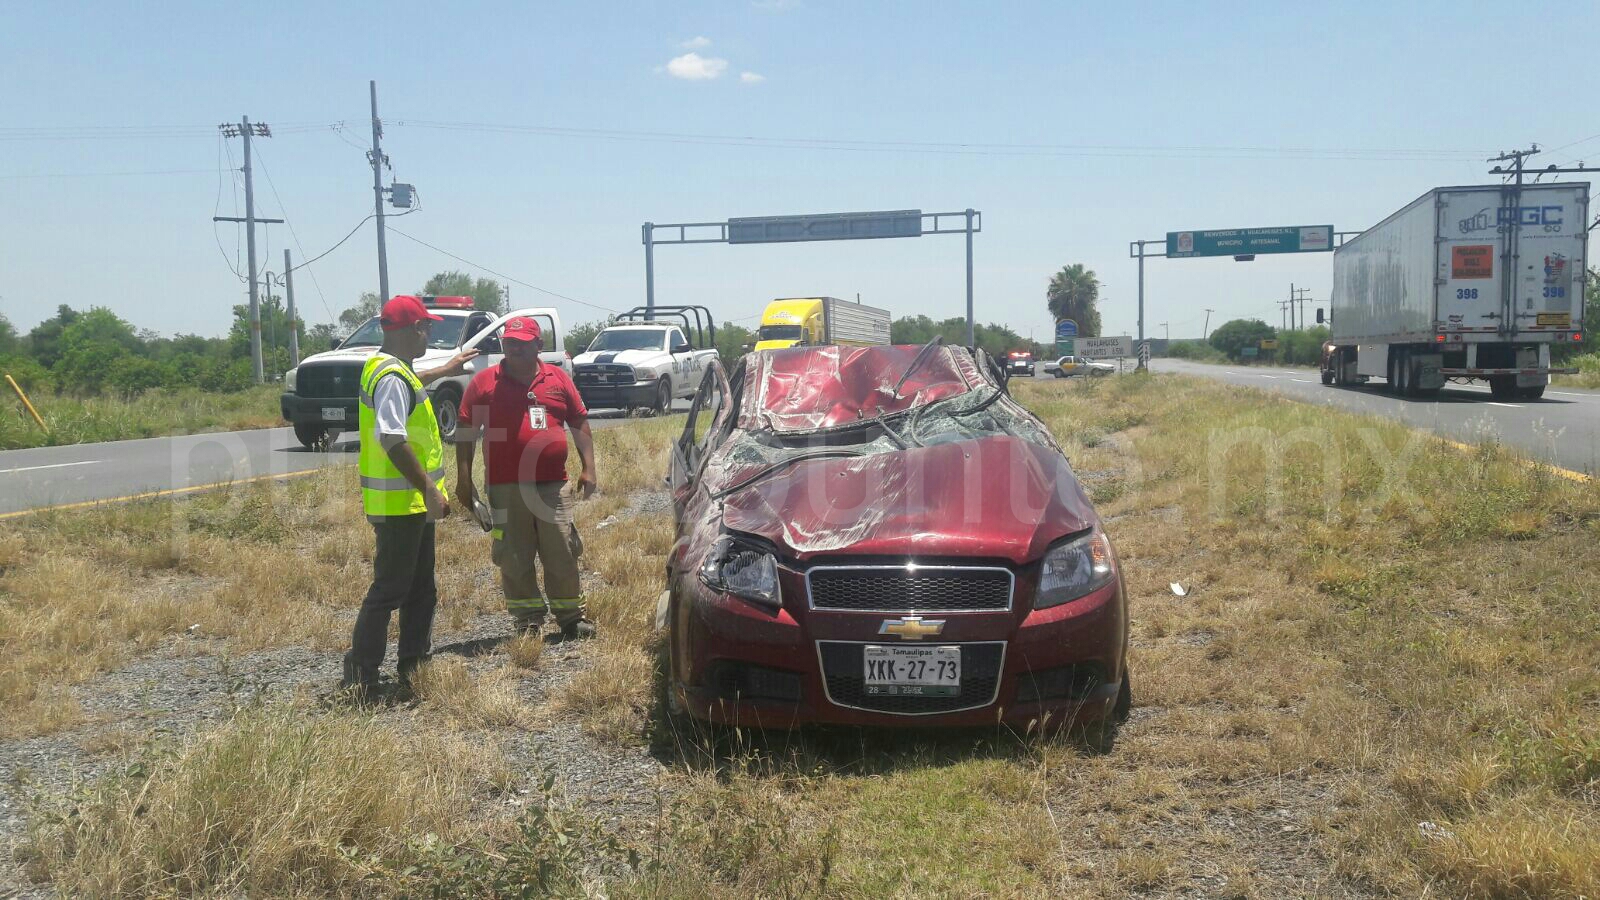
154 413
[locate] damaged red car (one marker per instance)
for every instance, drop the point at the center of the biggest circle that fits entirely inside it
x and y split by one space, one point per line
882 536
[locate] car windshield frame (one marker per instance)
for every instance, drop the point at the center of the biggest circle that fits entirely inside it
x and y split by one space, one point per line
598 345
780 332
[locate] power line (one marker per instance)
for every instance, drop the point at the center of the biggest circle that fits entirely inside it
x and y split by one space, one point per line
290 222
500 274
109 174
958 148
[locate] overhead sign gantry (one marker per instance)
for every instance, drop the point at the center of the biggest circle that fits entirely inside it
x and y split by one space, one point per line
898 223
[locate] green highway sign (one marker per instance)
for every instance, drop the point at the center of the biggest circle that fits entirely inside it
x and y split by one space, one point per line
1065 346
1250 241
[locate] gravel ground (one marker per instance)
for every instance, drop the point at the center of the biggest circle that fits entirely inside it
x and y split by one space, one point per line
191 684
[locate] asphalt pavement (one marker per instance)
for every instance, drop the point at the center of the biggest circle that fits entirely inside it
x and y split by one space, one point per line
82 474
1563 428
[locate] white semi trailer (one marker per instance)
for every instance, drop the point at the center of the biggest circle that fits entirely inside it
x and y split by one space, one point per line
1464 283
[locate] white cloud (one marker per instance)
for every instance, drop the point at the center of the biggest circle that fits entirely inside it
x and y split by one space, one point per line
694 67
698 42
751 77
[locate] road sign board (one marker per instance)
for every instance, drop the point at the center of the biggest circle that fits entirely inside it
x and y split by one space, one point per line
826 227
1106 347
1250 241
1066 328
1249 352
1066 346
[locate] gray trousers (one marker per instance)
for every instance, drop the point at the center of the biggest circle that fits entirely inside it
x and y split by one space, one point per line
402 579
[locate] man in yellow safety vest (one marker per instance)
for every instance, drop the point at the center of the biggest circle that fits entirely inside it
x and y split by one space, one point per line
402 491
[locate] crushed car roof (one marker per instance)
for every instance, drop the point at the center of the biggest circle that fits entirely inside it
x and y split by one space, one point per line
814 388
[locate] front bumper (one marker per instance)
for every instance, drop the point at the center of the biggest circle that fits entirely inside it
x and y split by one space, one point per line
1020 370
300 410
742 664
617 396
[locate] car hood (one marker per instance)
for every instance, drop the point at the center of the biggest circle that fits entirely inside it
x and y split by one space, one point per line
997 497
621 357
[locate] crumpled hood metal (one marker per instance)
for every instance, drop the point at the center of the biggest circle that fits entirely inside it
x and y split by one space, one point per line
816 388
999 497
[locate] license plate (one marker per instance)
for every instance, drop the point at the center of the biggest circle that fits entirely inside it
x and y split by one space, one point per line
1555 320
897 671
333 414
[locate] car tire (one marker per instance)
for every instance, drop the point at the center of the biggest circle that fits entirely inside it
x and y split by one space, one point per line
310 436
1124 705
663 401
447 410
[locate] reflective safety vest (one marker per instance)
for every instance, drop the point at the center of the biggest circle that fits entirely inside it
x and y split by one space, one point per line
384 491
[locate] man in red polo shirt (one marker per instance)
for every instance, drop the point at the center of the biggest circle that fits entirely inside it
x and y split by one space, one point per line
521 410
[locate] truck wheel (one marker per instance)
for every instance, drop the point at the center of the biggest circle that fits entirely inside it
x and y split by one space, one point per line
1403 370
310 436
663 404
447 410
1531 393
1502 387
1327 377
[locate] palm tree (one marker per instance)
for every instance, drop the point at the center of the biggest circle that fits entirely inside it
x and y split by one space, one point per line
1074 293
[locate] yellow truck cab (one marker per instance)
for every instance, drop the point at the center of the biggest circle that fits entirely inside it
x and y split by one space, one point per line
792 321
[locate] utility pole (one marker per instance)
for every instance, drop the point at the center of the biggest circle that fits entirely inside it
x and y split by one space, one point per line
378 162
1166 333
1300 294
245 130
971 341
1206 332
505 299
1291 306
294 322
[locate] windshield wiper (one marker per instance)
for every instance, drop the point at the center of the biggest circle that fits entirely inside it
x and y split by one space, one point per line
922 356
778 467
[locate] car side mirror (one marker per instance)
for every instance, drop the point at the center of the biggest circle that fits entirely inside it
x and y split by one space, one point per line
333 343
680 348
1320 317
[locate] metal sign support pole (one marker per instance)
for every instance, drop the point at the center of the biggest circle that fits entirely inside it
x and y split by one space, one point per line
971 341
649 270
1141 302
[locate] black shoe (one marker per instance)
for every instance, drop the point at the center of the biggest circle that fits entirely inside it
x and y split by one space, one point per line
579 630
408 667
527 624
358 678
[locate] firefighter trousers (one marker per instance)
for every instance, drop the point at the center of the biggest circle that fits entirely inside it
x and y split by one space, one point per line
533 522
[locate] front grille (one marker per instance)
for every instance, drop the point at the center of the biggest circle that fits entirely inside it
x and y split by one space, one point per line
330 380
602 373
980 680
902 589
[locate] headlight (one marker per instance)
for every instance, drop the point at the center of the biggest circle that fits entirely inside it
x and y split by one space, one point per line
1074 569
288 380
743 571
642 374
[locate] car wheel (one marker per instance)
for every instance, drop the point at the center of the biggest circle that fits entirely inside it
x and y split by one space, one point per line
447 410
1124 704
310 436
663 404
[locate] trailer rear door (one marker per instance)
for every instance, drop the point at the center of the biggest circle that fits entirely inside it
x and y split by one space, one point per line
1510 260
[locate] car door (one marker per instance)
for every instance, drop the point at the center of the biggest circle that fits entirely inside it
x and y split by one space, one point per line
707 417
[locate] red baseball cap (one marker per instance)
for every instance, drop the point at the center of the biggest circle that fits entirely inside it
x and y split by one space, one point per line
521 328
404 311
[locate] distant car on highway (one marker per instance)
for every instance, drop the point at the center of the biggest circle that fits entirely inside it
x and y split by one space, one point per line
1069 366
883 536
1019 362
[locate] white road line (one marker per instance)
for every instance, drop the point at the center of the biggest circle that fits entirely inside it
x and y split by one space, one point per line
1506 405
1568 394
1301 380
1267 376
86 462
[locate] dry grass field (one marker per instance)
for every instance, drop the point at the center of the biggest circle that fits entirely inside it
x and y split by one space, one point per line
1382 681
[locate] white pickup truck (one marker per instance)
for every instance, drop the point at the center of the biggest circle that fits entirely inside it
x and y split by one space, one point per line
645 359
321 395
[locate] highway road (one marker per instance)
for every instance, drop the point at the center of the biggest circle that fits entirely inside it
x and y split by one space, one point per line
81 474
1563 428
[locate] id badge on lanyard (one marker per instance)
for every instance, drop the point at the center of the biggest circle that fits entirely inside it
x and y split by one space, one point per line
538 418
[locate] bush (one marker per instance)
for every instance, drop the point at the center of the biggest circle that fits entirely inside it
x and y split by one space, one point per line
1196 350
1232 337
25 371
135 374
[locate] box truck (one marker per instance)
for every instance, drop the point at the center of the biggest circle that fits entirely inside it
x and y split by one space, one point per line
789 321
1463 284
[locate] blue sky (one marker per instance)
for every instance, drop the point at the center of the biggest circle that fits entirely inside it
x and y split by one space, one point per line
1035 90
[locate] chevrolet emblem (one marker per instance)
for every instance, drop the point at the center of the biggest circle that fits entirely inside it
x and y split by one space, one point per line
911 628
